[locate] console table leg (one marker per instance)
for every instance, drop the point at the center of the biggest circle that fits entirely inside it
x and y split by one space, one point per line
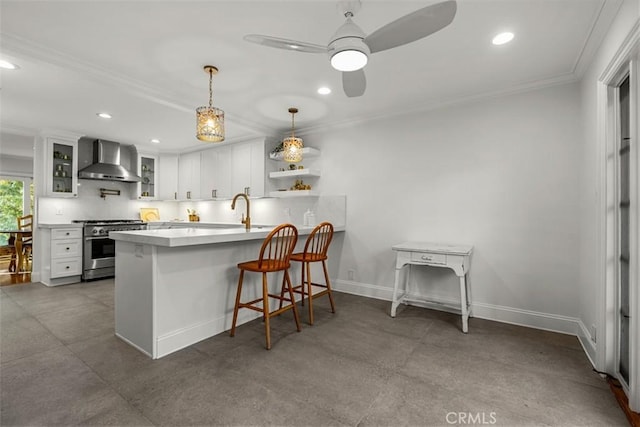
464 307
395 302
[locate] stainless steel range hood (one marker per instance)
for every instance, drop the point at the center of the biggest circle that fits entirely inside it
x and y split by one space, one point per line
108 163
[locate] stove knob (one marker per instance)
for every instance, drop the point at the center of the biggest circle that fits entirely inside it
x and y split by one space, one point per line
97 231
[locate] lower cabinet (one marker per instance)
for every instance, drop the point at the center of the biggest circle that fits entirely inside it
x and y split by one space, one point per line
65 260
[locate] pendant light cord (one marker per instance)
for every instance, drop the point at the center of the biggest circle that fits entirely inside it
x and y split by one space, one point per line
210 88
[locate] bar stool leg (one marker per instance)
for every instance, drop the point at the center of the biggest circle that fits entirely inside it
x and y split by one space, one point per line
237 306
293 301
329 292
265 308
307 265
302 271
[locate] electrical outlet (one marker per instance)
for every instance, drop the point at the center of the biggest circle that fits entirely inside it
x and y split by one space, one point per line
350 274
593 333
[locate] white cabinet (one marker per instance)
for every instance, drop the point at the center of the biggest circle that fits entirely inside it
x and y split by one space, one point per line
147 188
247 168
189 176
64 264
61 176
215 173
167 177
288 174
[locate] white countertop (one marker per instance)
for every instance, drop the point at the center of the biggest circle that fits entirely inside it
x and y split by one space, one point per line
67 225
198 236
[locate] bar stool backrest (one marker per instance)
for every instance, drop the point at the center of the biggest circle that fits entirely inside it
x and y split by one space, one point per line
277 248
318 241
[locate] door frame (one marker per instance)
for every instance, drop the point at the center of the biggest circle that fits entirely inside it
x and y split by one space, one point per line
625 61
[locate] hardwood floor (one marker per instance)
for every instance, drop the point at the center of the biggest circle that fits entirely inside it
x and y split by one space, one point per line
616 388
7 278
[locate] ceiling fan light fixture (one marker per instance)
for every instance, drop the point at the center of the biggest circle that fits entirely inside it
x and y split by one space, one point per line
349 60
347 49
291 145
209 119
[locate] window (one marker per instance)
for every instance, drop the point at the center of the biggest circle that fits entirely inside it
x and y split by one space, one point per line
16 199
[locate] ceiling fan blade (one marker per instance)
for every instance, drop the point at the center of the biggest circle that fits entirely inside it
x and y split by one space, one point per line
354 83
412 27
285 43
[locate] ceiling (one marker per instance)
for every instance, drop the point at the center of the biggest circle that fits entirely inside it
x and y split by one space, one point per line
142 61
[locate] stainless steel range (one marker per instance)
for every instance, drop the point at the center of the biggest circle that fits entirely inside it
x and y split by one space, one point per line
99 251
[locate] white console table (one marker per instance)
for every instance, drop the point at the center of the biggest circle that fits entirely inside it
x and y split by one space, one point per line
455 257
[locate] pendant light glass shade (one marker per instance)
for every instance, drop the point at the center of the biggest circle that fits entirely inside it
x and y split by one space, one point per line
292 146
292 149
209 119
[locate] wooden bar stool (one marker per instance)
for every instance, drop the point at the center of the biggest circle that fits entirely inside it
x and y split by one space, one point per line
315 250
274 256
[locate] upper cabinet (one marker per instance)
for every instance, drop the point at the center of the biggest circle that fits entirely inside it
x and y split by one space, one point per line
147 188
247 168
222 171
61 176
189 176
167 177
215 173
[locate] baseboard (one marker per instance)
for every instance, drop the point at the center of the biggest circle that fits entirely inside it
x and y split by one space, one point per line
181 338
516 316
587 343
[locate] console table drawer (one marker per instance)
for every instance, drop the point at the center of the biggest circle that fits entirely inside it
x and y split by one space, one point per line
429 258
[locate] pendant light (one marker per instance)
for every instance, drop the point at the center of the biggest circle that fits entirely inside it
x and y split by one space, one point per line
292 146
210 120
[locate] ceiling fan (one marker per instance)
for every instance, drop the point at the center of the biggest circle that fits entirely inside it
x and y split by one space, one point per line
349 48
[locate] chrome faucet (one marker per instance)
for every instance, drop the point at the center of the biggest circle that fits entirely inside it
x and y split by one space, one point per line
246 221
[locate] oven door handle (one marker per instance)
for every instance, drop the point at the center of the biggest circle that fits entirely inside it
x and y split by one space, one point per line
98 238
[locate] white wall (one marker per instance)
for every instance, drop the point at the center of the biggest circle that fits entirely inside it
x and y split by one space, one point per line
16 166
501 174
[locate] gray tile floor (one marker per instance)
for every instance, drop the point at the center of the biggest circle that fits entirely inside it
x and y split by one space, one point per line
62 365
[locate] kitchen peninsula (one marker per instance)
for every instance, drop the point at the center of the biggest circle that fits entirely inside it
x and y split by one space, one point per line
175 287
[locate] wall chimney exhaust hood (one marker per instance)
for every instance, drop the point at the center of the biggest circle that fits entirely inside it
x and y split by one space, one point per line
107 162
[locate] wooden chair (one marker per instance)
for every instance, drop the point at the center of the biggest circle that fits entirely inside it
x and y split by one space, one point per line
8 255
25 223
315 250
274 256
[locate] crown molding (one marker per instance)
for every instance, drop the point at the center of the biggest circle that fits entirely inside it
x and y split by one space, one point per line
566 78
600 25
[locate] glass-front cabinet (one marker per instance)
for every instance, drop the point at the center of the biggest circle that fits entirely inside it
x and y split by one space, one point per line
147 165
62 168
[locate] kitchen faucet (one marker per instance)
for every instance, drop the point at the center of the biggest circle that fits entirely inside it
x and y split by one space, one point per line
246 221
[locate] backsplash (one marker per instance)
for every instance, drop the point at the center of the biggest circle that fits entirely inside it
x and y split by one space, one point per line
264 211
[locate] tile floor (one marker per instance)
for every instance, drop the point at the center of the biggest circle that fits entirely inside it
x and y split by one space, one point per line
62 365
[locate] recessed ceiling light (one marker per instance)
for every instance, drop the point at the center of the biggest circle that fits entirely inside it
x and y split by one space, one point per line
324 90
155 141
502 38
8 65
104 115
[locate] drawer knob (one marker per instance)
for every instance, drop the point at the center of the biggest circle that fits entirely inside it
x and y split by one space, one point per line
67 233
426 257
67 267
67 248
